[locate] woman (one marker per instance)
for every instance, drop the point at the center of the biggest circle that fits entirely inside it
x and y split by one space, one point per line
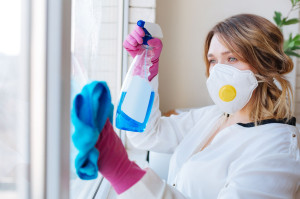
245 146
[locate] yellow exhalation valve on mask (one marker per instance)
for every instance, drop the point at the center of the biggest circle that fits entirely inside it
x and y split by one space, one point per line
230 88
227 93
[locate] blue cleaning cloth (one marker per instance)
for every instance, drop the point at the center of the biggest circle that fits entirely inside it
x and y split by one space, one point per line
91 108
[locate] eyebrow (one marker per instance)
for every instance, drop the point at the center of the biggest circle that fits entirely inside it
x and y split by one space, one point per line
223 53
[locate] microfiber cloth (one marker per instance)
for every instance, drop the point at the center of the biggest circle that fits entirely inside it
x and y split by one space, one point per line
91 108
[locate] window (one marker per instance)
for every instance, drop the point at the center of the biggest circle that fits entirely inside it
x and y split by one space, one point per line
96 55
14 139
38 61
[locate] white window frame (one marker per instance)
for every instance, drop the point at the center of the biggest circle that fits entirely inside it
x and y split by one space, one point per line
50 48
49 51
123 53
37 63
58 98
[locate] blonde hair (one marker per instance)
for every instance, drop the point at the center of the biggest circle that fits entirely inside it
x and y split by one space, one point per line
258 42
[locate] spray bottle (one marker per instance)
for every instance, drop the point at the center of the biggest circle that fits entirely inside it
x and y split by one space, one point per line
137 95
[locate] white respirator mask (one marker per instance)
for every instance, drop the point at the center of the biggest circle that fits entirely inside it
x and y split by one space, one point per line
230 88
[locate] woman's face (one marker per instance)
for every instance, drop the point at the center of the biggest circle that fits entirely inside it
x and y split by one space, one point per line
219 54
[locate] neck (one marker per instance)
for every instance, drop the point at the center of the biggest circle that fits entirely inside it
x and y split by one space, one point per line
241 116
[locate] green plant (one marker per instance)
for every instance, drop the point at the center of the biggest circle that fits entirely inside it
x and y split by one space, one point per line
292 44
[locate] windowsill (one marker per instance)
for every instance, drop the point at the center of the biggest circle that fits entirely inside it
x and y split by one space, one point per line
139 157
84 188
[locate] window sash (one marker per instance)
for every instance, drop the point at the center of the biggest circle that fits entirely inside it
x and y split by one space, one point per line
50 32
49 44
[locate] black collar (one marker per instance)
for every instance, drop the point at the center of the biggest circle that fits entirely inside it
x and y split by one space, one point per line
292 122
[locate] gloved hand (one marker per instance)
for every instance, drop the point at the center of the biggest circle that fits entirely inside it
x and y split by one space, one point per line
133 45
113 162
99 148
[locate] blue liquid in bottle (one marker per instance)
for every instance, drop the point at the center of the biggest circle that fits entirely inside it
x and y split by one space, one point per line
124 122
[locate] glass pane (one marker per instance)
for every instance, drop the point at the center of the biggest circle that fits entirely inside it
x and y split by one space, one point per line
13 105
94 57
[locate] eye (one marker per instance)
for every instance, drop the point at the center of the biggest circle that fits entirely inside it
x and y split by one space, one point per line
212 61
232 59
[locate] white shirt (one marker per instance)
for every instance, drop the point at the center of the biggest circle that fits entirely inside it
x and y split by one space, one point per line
240 162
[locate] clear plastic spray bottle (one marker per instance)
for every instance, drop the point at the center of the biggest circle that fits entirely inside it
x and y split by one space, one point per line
137 95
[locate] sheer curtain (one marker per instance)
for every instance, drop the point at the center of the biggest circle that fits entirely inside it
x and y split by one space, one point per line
96 36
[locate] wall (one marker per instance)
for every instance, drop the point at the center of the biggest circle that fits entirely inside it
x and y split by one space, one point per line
297 93
140 10
185 25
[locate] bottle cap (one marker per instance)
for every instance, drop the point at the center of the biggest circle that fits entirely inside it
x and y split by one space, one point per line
151 30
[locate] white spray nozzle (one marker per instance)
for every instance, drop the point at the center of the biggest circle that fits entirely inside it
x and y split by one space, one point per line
154 29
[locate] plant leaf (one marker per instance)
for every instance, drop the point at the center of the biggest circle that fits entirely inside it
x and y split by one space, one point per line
285 45
296 43
295 48
297 37
283 21
291 44
291 53
290 37
277 18
291 21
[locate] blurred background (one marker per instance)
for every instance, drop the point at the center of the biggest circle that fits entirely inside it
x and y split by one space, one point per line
185 25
